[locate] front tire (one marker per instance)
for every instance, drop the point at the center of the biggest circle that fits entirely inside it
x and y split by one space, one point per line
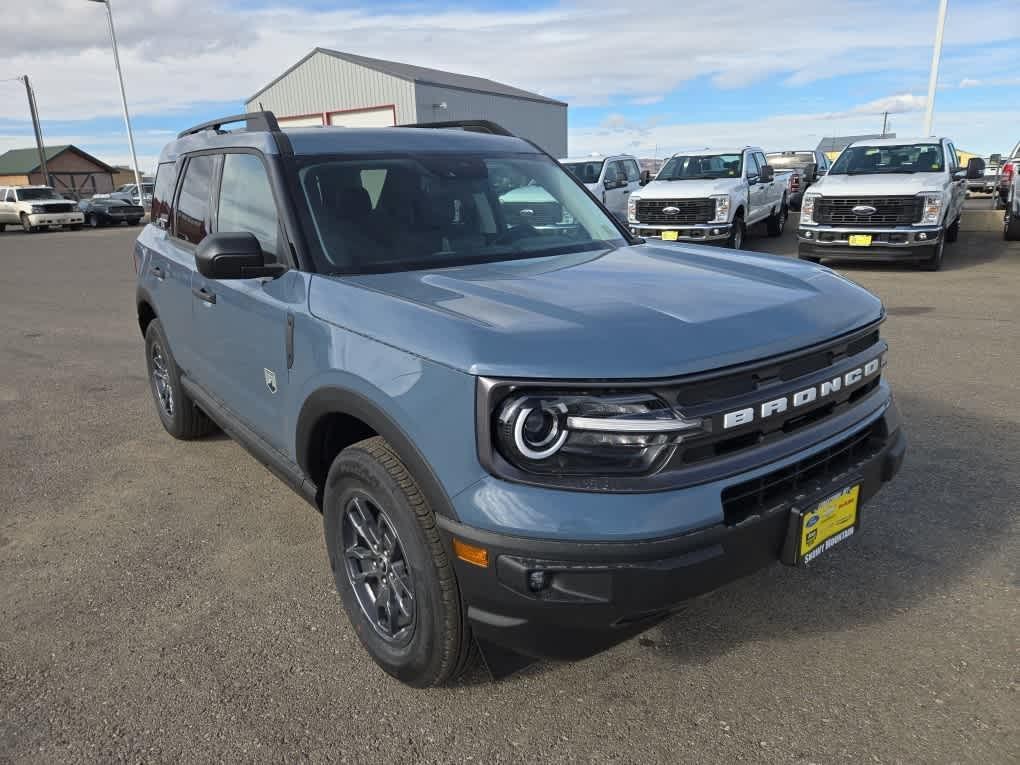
93 220
395 580
737 233
934 263
26 226
180 416
953 232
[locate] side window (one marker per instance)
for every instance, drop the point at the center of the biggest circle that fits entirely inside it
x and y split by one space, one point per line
750 166
191 217
615 172
163 193
952 160
761 159
246 201
633 171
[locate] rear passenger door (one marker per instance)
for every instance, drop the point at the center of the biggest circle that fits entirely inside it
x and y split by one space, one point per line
242 325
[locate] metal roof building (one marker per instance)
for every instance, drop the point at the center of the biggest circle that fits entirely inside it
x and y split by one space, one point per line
328 87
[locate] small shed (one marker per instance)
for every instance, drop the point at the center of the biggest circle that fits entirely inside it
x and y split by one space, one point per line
73 172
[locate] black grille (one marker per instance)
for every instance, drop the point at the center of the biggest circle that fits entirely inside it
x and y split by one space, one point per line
60 208
691 211
889 211
806 476
534 214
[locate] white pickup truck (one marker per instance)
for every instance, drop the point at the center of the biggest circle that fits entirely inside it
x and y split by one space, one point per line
711 195
37 207
887 199
611 179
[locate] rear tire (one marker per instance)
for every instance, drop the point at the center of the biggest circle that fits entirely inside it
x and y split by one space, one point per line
953 232
382 538
777 221
737 233
1010 225
180 416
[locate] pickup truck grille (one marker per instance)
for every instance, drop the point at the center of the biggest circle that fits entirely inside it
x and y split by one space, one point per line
534 214
889 211
60 208
691 211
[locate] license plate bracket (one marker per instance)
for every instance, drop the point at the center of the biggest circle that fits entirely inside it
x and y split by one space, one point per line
819 525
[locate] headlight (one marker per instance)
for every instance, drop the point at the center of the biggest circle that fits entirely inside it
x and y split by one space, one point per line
587 433
38 210
722 208
932 211
632 208
807 208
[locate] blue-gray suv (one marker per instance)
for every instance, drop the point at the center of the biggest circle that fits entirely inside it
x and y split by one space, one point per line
529 433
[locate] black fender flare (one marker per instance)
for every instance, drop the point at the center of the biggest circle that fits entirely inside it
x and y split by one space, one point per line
336 400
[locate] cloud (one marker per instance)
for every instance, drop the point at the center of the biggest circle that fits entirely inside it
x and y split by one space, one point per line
968 82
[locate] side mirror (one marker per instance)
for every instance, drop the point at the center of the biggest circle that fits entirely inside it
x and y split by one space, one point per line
975 168
646 177
767 174
811 171
234 256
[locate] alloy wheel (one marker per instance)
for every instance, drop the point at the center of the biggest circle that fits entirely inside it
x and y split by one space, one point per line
377 570
161 381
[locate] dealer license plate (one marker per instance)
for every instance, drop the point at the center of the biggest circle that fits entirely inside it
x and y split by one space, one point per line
669 236
830 522
860 240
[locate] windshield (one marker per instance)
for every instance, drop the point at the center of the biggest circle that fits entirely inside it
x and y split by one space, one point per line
587 172
28 195
874 160
703 166
785 160
383 214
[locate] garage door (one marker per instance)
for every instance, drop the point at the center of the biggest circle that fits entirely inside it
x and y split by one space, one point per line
376 117
293 122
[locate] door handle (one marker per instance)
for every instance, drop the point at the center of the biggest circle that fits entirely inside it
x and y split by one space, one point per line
203 294
626 192
157 272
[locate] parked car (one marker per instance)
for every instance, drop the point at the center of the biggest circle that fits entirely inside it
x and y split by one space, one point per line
1011 217
1007 173
805 167
110 212
713 196
887 199
529 440
612 179
129 192
989 180
35 208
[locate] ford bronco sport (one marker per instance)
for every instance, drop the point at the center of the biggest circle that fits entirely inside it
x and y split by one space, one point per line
526 440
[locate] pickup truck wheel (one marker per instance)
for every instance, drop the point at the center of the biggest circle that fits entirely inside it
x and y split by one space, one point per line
777 221
1010 225
180 416
395 580
28 227
934 263
3 227
953 232
737 231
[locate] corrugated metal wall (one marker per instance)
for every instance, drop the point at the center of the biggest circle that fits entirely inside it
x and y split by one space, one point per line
545 124
324 84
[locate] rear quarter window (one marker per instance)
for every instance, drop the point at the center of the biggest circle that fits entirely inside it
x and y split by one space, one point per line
163 191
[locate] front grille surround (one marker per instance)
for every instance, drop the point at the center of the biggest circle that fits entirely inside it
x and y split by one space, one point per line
889 211
692 211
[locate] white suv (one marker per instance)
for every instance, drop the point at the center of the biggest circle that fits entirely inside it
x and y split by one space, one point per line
611 179
37 207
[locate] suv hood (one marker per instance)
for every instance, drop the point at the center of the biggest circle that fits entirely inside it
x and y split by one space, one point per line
693 189
893 184
641 311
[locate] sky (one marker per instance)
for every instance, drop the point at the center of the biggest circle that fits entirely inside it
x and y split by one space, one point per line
648 77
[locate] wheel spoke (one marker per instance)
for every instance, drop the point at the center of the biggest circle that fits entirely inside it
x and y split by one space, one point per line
359 552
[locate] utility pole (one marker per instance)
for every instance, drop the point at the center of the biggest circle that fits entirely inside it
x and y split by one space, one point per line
885 122
933 78
38 130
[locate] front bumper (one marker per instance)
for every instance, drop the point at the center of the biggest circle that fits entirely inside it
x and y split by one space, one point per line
889 244
695 232
568 600
56 219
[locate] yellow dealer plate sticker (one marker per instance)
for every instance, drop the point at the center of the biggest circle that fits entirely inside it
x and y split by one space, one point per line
832 521
669 236
860 240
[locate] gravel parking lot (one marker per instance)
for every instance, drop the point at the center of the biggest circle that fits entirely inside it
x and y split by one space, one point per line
166 601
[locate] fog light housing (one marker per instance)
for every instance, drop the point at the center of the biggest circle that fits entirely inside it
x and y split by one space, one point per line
807 234
922 236
537 580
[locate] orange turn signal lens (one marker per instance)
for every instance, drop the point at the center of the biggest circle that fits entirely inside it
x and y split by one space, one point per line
478 556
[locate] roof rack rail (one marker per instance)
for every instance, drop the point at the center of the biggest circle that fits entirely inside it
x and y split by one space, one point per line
471 126
255 121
